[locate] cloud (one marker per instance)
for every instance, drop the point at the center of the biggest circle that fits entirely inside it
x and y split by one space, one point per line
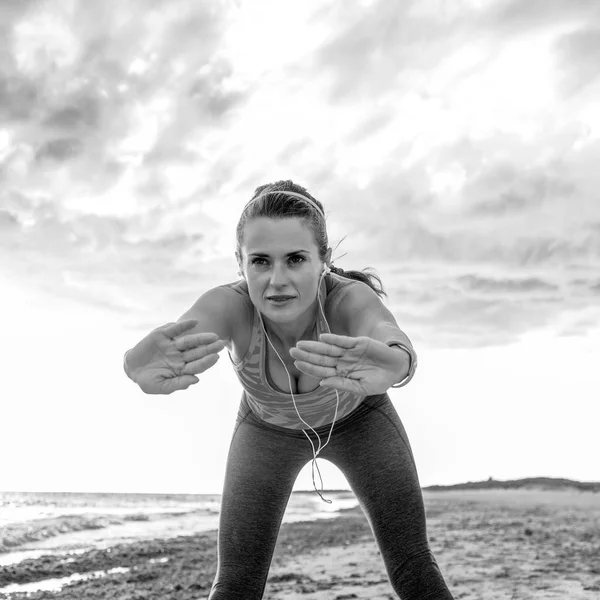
513 17
491 265
18 98
98 107
470 309
370 125
466 321
577 59
294 150
522 212
8 222
477 283
479 323
410 46
508 187
208 94
135 126
60 150
105 262
379 44
81 111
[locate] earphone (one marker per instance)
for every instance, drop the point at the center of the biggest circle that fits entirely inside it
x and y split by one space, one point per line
316 453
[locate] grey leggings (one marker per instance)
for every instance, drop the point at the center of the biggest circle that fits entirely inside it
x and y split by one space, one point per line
372 450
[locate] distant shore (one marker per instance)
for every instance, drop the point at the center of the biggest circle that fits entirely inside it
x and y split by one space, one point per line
533 483
489 545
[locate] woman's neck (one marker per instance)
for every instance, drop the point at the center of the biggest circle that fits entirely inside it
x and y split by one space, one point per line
288 334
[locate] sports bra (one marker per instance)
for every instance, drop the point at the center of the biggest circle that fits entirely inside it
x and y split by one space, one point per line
274 406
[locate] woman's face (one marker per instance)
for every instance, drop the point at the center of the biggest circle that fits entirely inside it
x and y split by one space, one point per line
280 258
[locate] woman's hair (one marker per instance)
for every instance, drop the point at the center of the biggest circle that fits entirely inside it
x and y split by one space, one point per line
280 206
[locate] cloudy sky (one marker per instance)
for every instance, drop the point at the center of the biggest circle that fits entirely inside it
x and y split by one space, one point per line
455 145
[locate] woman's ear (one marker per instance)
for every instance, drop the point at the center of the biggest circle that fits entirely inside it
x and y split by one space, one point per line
239 263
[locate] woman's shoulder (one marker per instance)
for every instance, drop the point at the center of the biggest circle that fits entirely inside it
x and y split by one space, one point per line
236 295
231 295
235 289
223 310
241 309
349 298
343 296
343 292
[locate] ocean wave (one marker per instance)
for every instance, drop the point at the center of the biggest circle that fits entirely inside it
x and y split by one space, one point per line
14 535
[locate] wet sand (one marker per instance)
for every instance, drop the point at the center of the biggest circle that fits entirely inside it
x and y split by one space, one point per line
489 545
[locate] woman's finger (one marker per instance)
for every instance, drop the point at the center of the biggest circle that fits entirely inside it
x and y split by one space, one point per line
320 348
211 340
200 365
314 370
338 340
200 352
311 357
175 329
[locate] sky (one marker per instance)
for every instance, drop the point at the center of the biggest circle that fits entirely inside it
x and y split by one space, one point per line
455 147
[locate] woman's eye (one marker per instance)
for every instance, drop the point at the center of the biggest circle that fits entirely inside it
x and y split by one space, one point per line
293 259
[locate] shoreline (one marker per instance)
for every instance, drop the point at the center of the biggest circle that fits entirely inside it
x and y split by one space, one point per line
183 564
536 546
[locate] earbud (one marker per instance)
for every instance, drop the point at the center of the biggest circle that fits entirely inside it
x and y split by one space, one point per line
326 270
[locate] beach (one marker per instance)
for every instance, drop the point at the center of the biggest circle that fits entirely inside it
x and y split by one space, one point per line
489 544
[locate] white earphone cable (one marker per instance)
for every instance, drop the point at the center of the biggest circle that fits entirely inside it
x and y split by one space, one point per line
320 448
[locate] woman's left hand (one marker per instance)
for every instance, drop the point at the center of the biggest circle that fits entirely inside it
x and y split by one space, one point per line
359 365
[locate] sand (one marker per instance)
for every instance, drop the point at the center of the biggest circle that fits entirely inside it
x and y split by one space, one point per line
489 545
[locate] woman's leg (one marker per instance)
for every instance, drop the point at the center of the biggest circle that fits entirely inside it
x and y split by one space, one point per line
262 467
374 454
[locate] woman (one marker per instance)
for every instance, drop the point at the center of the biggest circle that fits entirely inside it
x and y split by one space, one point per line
315 350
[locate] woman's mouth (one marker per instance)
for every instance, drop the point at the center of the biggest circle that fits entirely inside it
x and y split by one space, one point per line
280 300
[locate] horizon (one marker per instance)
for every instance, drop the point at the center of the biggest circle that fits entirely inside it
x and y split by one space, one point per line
295 491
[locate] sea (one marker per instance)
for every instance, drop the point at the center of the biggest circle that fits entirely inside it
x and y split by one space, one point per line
33 524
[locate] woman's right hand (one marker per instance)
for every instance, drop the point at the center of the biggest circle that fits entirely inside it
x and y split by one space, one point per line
166 360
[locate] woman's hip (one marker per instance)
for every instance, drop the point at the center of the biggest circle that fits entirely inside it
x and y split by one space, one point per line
366 406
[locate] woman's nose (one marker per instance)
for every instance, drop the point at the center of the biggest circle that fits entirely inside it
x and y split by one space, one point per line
279 274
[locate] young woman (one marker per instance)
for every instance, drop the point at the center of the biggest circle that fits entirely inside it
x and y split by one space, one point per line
315 350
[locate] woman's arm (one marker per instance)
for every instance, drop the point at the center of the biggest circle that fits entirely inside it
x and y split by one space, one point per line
218 310
170 357
364 314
